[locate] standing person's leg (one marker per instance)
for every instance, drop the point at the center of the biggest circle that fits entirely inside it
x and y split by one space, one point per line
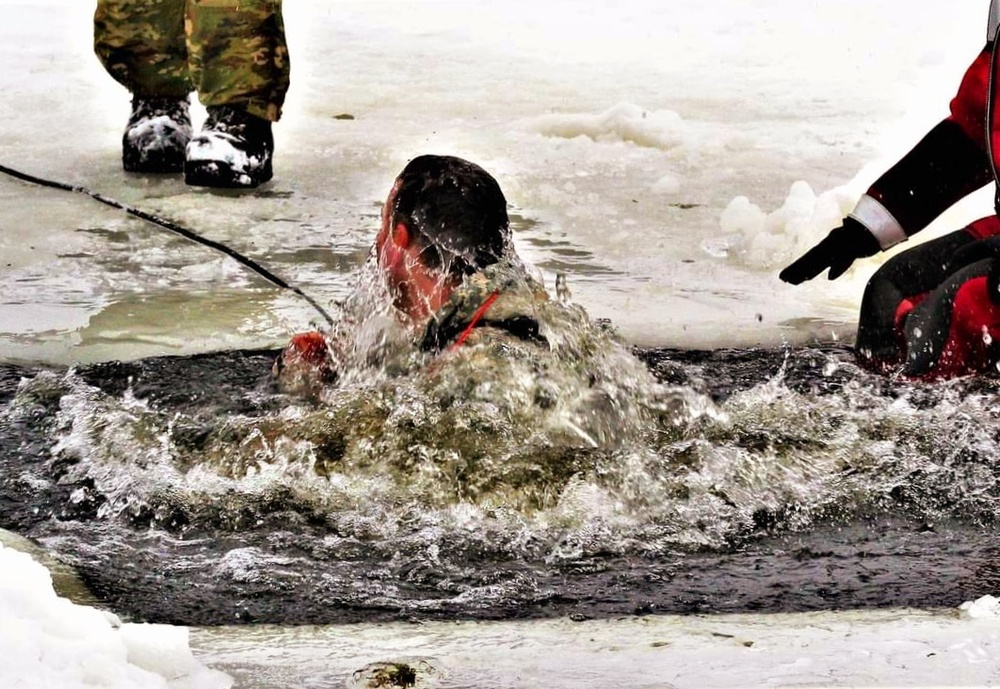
238 61
142 46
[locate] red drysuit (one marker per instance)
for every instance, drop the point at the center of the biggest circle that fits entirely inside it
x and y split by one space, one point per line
934 311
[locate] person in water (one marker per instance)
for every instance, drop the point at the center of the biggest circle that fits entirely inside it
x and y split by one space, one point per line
933 311
444 256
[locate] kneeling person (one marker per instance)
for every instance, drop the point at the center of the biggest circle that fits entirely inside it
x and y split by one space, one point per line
934 311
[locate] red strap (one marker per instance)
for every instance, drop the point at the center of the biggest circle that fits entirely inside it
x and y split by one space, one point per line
476 317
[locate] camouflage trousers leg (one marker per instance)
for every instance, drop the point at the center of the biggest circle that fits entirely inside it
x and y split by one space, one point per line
237 54
141 44
232 52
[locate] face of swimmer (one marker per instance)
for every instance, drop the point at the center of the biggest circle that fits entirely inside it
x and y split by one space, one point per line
418 287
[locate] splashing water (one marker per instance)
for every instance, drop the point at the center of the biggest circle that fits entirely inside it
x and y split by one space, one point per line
504 421
503 478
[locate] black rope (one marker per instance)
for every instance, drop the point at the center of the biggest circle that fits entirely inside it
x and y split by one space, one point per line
172 227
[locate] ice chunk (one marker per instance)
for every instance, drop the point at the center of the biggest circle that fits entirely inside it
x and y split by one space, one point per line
767 240
663 129
48 641
987 607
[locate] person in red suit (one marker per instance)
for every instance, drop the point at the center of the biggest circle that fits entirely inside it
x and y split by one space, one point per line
933 311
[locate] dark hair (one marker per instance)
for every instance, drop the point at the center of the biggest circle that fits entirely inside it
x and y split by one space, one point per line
455 210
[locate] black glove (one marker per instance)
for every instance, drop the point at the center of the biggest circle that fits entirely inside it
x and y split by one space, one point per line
837 252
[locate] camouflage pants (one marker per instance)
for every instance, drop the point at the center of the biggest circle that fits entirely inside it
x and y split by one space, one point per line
232 52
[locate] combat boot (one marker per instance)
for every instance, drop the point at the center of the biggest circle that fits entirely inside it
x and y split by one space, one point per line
157 134
232 151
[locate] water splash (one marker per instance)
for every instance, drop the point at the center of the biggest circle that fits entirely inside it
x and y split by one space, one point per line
468 489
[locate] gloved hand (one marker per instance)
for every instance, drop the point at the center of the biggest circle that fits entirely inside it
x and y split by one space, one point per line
837 251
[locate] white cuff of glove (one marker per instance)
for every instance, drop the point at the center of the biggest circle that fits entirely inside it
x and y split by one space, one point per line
879 221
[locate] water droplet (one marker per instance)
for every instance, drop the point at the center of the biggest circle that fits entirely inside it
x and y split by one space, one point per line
562 288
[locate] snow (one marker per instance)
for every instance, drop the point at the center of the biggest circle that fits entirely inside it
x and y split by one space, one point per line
897 648
788 231
48 641
623 122
987 607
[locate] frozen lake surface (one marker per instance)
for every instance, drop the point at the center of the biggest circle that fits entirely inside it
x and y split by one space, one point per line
669 159
620 134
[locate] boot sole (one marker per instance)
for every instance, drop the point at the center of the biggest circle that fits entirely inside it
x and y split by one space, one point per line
212 173
154 165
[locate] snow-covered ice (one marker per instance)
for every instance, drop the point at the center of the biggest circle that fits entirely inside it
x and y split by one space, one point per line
890 648
47 641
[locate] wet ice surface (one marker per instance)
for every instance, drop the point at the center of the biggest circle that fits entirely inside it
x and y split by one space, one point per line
631 125
891 648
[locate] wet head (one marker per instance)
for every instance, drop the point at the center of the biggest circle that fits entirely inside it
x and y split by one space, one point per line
304 365
445 219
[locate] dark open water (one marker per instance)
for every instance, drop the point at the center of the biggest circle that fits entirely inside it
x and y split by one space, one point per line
811 485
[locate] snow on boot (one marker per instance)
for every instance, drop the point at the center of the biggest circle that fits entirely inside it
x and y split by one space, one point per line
157 133
232 151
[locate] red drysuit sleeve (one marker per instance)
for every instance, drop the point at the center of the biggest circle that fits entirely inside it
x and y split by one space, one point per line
949 163
968 107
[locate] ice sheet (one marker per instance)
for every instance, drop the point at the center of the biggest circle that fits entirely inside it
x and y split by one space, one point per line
623 136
